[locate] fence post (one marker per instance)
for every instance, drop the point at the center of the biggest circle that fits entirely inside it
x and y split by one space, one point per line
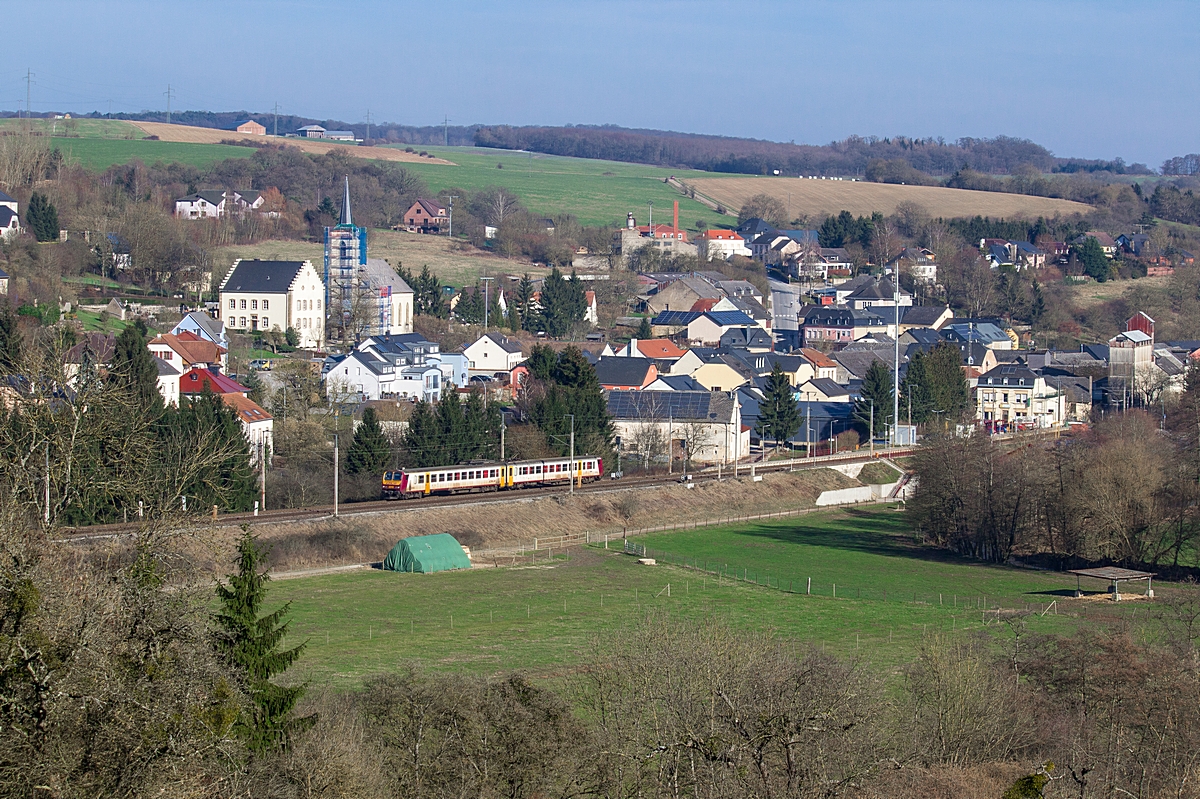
809 591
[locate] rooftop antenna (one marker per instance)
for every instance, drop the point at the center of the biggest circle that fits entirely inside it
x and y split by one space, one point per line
169 93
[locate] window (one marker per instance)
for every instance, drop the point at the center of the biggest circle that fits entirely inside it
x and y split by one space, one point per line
243 324
458 475
265 324
318 305
233 305
266 305
254 305
1005 398
243 305
539 469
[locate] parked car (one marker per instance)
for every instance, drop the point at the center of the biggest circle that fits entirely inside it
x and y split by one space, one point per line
261 364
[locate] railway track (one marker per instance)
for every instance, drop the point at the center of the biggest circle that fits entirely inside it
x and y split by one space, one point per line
482 498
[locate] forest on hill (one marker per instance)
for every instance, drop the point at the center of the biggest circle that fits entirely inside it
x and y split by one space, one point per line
855 156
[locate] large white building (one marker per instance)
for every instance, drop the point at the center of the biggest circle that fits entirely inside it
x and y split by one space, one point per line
265 295
493 353
722 244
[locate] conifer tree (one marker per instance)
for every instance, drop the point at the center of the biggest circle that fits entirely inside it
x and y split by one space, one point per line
250 644
451 429
132 365
778 413
370 450
644 330
876 391
421 437
42 218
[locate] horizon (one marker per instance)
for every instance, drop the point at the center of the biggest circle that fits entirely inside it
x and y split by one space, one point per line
919 69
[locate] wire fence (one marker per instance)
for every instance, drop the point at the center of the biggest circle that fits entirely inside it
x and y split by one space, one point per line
790 583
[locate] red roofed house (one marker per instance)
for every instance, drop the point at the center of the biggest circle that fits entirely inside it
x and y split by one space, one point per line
660 349
257 425
592 314
185 349
723 244
197 380
426 216
705 304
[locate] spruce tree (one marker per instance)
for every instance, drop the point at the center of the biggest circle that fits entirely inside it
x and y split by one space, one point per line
42 218
778 413
133 366
644 330
451 428
421 437
876 390
249 643
370 450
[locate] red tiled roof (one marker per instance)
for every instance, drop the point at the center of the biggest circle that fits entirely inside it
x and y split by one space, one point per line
194 381
818 358
191 348
248 410
706 304
659 348
721 235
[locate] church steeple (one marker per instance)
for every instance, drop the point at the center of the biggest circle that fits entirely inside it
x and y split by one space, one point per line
347 220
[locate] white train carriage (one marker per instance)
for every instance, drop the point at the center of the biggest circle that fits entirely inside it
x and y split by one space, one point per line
478 477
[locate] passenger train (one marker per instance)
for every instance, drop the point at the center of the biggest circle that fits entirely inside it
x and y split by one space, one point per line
474 477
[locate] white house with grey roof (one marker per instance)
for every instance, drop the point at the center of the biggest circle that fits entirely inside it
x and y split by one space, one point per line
10 222
492 353
269 295
216 204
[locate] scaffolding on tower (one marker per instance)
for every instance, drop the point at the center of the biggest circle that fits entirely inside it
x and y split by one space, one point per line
345 263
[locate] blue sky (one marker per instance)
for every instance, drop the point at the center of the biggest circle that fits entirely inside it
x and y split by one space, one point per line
1091 79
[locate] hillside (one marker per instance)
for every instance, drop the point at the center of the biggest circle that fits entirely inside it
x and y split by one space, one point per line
193 135
819 198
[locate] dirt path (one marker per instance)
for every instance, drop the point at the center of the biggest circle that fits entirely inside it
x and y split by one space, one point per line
193 135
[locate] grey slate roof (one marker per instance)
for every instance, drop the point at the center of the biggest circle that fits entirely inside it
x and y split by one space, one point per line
923 315
1013 373
165 368
746 337
876 290
699 406
614 371
857 363
828 386
6 214
4 198
210 325
262 277
503 342
680 382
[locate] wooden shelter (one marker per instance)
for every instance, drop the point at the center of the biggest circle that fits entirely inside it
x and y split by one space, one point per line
1115 576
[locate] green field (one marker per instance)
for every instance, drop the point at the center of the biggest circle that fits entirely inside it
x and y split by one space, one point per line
597 192
99 154
544 617
83 128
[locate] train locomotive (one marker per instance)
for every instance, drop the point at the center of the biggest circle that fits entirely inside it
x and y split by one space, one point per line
467 478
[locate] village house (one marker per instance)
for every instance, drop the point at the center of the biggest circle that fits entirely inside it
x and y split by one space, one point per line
721 244
625 374
426 216
10 222
492 353
703 426
1010 397
270 295
834 325
203 326
185 350
216 204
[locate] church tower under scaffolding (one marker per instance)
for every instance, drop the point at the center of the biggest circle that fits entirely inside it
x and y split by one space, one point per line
345 259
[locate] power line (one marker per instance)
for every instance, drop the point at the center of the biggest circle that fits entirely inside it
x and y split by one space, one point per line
169 93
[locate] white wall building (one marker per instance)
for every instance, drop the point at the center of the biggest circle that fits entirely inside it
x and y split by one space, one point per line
168 381
265 295
492 353
10 222
722 244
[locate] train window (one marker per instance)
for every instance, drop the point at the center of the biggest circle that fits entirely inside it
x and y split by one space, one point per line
470 475
458 475
539 469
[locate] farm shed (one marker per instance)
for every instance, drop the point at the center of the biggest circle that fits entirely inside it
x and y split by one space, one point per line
427 553
1115 576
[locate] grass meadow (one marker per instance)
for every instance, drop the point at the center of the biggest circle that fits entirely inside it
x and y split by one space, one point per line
99 154
545 617
596 192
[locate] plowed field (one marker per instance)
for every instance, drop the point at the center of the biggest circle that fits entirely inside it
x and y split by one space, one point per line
818 198
193 135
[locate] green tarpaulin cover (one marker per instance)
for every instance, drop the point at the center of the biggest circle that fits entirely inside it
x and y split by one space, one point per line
427 553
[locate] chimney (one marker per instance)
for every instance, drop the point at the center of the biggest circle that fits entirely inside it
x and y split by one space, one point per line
675 224
630 222
632 346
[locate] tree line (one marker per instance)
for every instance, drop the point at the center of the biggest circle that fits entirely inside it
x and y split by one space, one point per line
1123 492
97 441
850 156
